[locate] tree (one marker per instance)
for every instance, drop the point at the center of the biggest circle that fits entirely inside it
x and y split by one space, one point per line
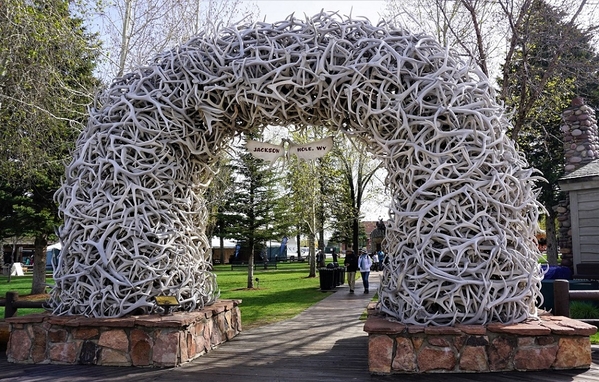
548 56
313 187
134 30
479 28
12 224
549 61
330 191
252 205
356 171
46 63
486 31
216 199
305 195
548 50
33 214
470 26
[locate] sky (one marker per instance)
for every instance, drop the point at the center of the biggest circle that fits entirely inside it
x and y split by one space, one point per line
278 10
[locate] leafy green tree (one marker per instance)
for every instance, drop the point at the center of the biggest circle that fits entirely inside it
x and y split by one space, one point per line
46 63
329 192
304 203
12 223
313 186
252 205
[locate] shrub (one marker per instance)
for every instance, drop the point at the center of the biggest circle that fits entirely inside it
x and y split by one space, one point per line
583 310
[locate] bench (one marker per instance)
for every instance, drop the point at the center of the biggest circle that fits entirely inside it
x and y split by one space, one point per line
240 265
269 265
259 265
294 259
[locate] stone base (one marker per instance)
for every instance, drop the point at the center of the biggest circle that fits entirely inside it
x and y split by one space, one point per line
549 343
148 340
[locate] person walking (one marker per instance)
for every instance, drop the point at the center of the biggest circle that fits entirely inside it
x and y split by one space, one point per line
320 259
364 264
381 255
351 262
375 263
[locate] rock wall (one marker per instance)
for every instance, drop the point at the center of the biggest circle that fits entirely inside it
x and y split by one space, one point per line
549 343
143 341
581 146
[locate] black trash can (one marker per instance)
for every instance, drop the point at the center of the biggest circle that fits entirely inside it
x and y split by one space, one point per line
337 276
327 278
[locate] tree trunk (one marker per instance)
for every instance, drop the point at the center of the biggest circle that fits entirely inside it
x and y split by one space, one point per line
13 256
550 232
125 37
38 284
311 240
222 249
321 240
356 236
251 265
321 217
298 238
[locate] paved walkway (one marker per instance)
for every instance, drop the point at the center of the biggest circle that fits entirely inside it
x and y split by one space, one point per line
324 343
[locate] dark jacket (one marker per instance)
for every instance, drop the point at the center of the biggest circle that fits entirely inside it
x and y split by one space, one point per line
351 262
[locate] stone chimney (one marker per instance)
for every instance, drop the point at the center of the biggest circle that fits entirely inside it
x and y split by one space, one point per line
581 146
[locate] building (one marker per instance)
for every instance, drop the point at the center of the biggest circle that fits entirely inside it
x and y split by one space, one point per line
582 186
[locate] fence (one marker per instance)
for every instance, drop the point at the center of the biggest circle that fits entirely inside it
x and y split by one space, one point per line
12 303
563 295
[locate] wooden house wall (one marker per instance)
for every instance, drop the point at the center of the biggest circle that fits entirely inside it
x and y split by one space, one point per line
585 220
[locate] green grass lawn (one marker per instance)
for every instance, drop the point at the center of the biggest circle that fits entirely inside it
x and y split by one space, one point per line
277 295
21 284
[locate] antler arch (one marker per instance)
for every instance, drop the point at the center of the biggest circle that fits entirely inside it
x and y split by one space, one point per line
461 237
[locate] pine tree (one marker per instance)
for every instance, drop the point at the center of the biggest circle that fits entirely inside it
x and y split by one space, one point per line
252 206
